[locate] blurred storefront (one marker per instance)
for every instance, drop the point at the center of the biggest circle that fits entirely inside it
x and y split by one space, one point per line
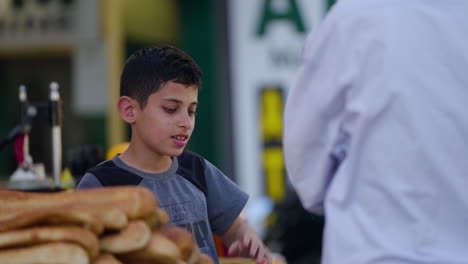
82 45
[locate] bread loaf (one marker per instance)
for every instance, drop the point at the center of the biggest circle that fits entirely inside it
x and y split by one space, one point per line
134 201
59 215
111 218
56 253
133 237
45 234
157 219
159 250
184 240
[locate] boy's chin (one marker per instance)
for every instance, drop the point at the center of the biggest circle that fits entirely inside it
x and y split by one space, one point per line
177 152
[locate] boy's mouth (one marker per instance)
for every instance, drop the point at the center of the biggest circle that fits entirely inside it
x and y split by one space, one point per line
180 140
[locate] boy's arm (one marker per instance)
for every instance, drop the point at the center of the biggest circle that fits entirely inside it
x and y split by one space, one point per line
242 240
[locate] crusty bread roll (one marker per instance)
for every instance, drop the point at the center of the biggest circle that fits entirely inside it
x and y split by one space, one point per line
43 234
56 253
157 219
159 250
60 215
133 237
106 258
184 240
134 201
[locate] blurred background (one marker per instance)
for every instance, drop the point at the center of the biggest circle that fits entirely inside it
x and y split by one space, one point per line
249 51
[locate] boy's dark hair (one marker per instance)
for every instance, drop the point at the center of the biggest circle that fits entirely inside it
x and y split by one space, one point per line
148 68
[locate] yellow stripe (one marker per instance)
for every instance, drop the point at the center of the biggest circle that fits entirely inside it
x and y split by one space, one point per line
112 29
274 170
272 126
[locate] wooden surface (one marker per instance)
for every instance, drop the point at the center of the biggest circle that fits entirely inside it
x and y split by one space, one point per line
236 261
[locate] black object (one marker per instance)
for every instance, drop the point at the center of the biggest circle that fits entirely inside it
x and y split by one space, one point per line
295 233
83 158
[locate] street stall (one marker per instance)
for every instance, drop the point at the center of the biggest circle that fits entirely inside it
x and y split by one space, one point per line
103 225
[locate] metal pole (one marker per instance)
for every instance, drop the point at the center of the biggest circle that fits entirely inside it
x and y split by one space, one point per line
55 116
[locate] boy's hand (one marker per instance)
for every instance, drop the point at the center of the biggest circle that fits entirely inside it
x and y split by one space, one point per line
250 245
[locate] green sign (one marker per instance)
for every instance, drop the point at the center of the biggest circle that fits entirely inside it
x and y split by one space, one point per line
290 15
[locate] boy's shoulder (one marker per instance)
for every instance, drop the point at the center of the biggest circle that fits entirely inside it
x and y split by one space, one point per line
192 167
109 174
190 160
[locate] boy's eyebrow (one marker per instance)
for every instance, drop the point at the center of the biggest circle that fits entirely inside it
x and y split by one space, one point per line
178 101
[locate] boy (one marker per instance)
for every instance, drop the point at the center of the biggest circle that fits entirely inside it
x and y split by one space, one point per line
159 90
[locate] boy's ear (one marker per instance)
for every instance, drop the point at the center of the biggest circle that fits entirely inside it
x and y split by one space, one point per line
126 107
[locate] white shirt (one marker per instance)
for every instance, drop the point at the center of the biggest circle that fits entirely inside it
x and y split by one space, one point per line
376 131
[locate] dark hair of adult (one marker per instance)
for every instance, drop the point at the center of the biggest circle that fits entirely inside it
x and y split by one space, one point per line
149 68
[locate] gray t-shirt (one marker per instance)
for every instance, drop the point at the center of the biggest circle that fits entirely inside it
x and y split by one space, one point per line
187 205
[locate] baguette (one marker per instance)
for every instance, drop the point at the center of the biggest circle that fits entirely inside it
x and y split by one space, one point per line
112 218
135 236
157 219
159 250
56 253
43 234
184 240
60 215
134 201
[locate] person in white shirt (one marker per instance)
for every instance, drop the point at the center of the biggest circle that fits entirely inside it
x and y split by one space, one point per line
376 131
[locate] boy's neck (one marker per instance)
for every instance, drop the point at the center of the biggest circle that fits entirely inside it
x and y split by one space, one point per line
146 163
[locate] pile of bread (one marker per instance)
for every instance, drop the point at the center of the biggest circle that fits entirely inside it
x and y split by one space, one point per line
96 226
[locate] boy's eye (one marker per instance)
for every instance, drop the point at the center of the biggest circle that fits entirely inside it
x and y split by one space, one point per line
191 112
169 110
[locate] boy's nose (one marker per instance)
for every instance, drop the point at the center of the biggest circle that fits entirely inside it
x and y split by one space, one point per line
185 121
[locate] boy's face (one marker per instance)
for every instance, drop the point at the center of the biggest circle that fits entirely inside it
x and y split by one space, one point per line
166 123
